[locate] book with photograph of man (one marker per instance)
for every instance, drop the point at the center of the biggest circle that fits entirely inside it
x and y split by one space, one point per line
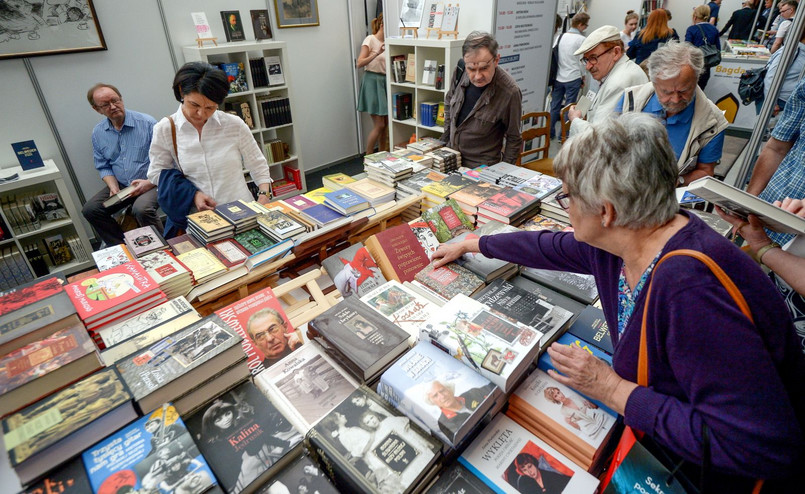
371 447
359 338
152 454
302 476
511 460
245 439
438 392
267 333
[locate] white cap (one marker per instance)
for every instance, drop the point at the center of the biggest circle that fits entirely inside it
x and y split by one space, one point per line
600 35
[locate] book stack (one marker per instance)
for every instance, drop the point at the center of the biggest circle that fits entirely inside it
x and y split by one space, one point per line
322 215
494 173
472 173
261 247
517 176
389 170
283 187
412 186
173 277
259 72
540 186
428 111
425 145
509 206
472 195
438 192
279 226
336 181
450 280
486 268
374 192
203 264
14 271
427 239
539 222
208 226
317 195
398 67
447 220
112 256
239 214
275 111
398 253
578 286
410 154
114 295
353 271
550 208
445 160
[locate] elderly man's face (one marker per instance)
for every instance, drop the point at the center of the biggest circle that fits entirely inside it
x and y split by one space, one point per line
481 66
787 11
676 93
268 334
441 396
600 60
109 104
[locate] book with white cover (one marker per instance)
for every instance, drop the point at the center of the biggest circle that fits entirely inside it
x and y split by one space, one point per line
112 335
111 257
402 306
511 460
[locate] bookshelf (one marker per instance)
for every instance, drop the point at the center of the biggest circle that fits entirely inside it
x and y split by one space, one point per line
264 131
444 52
22 234
645 9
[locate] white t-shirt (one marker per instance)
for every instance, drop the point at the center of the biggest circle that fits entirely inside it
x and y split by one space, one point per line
627 38
379 63
570 68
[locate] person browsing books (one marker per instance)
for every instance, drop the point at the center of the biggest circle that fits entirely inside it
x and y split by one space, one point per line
120 146
711 369
482 109
266 328
212 146
372 98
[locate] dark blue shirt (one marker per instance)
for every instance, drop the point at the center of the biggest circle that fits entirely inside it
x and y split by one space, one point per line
694 34
714 7
639 51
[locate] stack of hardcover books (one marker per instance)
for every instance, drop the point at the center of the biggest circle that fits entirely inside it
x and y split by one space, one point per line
389 170
552 209
172 276
494 173
279 226
425 145
261 247
447 220
509 206
345 201
374 192
239 214
203 264
539 186
336 181
438 192
445 160
517 176
412 186
471 196
208 226
142 241
487 269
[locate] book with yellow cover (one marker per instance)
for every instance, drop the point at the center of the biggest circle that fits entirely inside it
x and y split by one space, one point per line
317 195
336 181
203 264
209 221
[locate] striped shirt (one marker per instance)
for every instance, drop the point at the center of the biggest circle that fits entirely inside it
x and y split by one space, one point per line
123 153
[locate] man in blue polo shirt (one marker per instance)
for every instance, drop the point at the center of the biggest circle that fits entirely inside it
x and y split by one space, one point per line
120 145
695 125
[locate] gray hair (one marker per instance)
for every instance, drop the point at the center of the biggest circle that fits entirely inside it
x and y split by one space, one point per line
667 61
447 384
627 162
477 40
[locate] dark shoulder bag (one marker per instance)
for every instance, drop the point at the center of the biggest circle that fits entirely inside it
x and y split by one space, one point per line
712 55
554 62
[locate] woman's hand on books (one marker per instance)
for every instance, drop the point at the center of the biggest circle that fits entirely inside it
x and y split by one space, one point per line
450 252
203 202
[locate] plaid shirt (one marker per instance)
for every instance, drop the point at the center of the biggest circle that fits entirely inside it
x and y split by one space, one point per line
789 179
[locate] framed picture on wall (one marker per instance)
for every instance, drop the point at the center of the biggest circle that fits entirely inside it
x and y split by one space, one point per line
297 13
29 29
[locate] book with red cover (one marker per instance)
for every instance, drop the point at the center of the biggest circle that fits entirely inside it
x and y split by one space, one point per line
229 252
398 253
268 350
111 291
508 206
127 312
28 293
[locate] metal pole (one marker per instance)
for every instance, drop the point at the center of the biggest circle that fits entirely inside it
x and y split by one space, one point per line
787 57
754 23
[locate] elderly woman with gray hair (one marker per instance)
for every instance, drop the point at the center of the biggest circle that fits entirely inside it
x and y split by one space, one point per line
723 389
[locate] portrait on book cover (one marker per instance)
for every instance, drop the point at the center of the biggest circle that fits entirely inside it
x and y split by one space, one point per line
297 13
198 343
31 28
534 470
310 405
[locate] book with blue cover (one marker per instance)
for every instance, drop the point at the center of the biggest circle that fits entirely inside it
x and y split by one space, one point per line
236 212
345 201
322 215
27 155
591 326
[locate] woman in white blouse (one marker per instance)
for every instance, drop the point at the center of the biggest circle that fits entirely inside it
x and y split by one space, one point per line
213 147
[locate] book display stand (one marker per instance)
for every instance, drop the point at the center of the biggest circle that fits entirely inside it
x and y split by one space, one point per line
414 31
200 41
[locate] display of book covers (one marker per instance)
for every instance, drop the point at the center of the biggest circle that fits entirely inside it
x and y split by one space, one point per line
183 243
172 276
494 173
306 385
581 287
393 454
402 306
279 226
261 248
145 240
445 159
511 460
472 195
203 264
152 454
117 333
244 438
450 280
303 472
539 186
517 177
353 271
509 206
447 220
437 192
539 222
374 192
322 215
345 201
207 226
497 348
438 392
239 214
336 181
86 412
229 252
112 256
427 239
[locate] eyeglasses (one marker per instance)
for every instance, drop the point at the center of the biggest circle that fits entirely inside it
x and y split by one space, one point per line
593 59
274 330
563 200
481 65
115 101
790 9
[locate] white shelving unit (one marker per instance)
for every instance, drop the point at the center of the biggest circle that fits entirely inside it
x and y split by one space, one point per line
444 52
242 52
47 179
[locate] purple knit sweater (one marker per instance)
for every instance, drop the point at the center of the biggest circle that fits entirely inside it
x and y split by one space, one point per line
707 362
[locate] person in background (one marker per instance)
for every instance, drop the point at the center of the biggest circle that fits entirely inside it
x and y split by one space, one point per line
372 98
767 13
213 146
569 77
701 33
120 146
792 77
712 371
715 6
629 27
651 37
740 23
788 8
482 109
695 125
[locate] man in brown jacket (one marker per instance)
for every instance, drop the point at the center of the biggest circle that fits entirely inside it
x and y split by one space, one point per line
483 110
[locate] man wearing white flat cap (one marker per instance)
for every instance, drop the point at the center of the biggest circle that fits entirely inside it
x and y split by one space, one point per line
603 56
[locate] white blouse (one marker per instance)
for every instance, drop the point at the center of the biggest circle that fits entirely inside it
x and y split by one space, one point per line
215 161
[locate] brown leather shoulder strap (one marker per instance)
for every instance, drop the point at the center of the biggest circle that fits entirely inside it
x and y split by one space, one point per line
175 147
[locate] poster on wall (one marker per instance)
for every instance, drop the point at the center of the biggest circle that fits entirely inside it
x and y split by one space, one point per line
297 13
524 31
29 28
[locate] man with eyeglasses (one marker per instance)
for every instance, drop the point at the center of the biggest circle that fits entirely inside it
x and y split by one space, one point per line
788 8
266 328
603 57
482 110
120 145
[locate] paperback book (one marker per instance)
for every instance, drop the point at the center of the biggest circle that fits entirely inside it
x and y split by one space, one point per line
581 287
111 257
450 280
145 240
353 271
401 306
112 335
591 326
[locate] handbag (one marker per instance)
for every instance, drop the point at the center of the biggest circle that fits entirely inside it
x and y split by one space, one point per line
712 55
554 62
175 193
751 86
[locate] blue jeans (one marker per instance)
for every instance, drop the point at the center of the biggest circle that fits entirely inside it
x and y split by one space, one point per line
563 94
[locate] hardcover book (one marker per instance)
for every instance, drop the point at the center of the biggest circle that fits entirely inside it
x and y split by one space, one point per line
203 264
510 206
174 357
447 220
496 348
35 321
317 195
368 341
261 24
473 195
439 191
306 385
427 239
353 271
402 306
336 181
172 275
279 225
274 69
153 454
244 438
110 291
302 476
183 243
268 335
23 295
141 241
580 287
27 155
114 353
299 202
397 252
55 428
111 257
70 478
539 222
591 326
542 309
438 392
372 191
345 201
236 212
322 215
450 280
456 479
486 268
229 252
368 446
119 197
114 334
261 247
510 459
540 186
233 26
209 222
